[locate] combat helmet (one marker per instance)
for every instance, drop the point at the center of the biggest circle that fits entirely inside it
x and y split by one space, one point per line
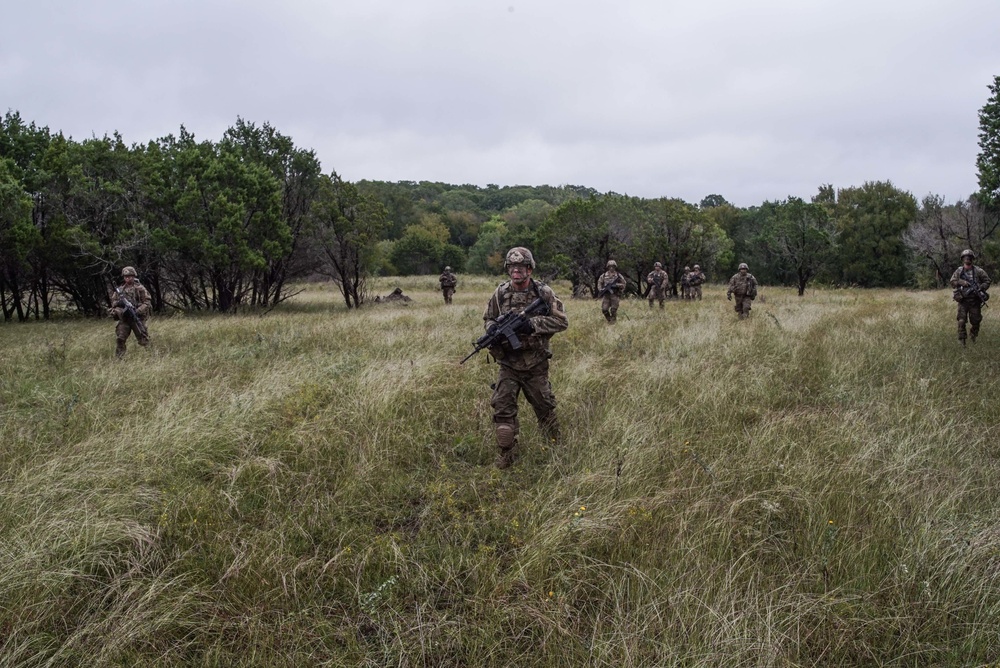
611 264
687 268
743 265
447 268
697 267
657 265
968 251
129 271
519 255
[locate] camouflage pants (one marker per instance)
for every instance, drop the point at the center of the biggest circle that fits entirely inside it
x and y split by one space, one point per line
696 292
658 294
609 307
122 331
972 311
536 387
741 303
448 292
685 292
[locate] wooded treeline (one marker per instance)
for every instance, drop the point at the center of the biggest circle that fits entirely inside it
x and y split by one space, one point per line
232 223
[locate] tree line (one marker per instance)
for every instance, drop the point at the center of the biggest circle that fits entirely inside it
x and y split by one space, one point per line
235 223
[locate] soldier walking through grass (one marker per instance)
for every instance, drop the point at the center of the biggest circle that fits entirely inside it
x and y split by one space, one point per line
695 280
610 286
744 286
130 305
448 282
659 284
970 283
525 370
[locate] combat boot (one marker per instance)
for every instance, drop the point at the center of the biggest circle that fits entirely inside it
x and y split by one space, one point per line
507 446
119 348
549 425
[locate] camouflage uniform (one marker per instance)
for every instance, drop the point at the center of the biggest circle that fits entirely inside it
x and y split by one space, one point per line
744 286
686 283
525 370
448 282
969 307
609 305
695 279
140 299
659 282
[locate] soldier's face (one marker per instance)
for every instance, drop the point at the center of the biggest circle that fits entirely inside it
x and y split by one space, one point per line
519 274
130 279
743 271
967 261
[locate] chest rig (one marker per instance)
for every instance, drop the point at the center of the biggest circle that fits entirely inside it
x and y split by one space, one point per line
518 301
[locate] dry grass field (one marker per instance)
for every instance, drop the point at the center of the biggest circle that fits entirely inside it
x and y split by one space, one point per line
816 486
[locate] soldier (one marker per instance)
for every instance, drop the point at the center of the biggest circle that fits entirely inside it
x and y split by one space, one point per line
695 279
966 280
659 284
744 286
448 282
130 320
611 286
686 283
526 369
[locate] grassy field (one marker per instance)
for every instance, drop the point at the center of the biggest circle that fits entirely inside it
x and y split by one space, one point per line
814 486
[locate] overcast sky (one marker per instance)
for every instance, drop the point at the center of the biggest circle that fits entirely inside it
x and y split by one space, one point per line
750 99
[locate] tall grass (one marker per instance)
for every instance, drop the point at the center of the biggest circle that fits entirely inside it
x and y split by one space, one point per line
312 486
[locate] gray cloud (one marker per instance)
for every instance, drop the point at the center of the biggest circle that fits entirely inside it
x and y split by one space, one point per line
753 101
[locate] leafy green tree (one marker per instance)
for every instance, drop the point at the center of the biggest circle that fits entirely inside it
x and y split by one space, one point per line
96 222
988 160
870 223
487 255
398 201
424 248
800 236
577 240
298 173
683 235
713 201
18 238
219 219
348 226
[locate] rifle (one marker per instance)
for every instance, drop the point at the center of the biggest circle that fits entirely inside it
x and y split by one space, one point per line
507 327
133 315
658 280
973 289
607 289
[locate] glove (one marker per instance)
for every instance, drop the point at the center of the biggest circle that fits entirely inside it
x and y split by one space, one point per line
964 283
526 327
729 296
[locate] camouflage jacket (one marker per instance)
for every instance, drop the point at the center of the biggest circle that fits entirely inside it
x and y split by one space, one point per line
742 286
536 346
137 294
448 280
662 276
616 279
696 278
977 272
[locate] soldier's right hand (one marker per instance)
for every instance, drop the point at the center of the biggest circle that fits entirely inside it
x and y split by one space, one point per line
964 283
